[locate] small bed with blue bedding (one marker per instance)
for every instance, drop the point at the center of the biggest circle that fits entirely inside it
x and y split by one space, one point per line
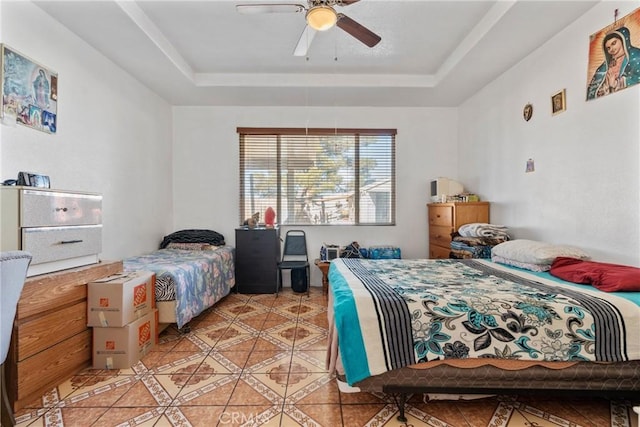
476 327
194 270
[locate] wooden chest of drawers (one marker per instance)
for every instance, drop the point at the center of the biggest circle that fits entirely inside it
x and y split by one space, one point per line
445 218
61 229
51 340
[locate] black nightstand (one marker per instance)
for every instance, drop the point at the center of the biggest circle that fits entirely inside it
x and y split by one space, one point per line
257 257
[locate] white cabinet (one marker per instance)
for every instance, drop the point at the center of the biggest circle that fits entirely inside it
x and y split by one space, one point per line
61 229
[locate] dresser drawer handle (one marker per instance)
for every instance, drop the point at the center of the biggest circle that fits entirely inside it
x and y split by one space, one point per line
66 242
61 209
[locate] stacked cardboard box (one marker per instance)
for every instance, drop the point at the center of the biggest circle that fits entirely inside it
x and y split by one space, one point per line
121 310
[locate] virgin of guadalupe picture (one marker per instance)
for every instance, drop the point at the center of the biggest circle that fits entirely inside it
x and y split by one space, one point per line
29 92
614 58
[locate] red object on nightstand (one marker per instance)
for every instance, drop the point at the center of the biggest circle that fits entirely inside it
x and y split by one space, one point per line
269 217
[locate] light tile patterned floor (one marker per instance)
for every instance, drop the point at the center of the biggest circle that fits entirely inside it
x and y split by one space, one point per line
259 360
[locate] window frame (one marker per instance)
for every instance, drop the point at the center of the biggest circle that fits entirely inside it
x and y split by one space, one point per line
278 133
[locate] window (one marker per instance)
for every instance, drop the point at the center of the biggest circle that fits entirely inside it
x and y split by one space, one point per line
318 176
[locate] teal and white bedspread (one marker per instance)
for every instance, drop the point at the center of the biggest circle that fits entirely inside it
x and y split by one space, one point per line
394 313
198 279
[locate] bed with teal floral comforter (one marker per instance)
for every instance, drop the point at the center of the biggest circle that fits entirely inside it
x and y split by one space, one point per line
197 279
395 313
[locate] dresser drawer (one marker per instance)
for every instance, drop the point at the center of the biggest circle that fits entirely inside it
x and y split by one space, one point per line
58 243
441 215
45 370
49 208
40 333
439 252
440 235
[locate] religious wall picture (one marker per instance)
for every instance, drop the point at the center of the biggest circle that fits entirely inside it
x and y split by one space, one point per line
558 102
527 112
614 57
29 92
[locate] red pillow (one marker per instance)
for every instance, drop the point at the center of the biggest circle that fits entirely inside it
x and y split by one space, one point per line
604 276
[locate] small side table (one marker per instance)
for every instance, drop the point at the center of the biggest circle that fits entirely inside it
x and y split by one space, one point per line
324 267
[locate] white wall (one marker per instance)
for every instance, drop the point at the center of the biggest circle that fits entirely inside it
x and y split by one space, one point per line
206 177
585 189
113 137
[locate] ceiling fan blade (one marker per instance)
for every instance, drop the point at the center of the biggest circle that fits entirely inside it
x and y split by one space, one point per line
251 9
357 30
305 41
347 2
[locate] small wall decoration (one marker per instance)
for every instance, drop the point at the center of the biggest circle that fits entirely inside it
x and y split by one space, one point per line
527 112
29 91
558 102
614 56
531 167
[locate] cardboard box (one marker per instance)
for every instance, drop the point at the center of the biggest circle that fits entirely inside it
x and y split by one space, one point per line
118 300
121 348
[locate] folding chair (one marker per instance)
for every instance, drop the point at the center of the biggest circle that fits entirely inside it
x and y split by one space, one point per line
294 256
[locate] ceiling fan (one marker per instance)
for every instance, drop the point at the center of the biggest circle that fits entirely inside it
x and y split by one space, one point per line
320 16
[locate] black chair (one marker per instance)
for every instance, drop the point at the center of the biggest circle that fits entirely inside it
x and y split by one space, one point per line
294 256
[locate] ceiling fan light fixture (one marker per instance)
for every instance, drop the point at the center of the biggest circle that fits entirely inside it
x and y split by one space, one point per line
321 18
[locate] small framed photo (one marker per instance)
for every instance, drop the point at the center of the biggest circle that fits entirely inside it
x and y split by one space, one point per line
558 102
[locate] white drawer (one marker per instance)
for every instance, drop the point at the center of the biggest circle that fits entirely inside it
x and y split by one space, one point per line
56 243
51 208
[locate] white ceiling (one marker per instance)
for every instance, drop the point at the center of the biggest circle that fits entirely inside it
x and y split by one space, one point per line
432 53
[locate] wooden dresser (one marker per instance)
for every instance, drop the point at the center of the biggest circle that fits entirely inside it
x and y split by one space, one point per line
445 218
51 340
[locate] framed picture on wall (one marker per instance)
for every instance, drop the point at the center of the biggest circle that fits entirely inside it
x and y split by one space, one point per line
614 55
527 112
29 91
558 102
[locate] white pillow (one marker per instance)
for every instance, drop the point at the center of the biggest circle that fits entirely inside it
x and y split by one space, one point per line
524 265
534 252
